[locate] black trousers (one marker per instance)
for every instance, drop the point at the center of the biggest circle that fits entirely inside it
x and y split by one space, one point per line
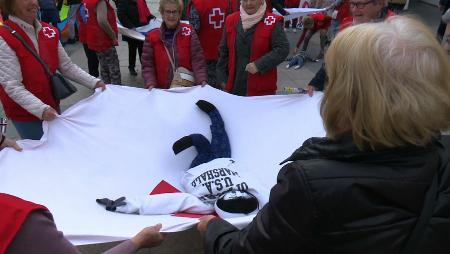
134 45
92 61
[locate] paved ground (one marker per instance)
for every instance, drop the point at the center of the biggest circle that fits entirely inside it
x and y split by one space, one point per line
188 242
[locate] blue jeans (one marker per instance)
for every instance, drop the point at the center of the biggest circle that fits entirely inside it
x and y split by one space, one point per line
219 146
29 129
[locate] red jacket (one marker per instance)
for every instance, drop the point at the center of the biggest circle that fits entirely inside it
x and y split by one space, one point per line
13 213
34 77
212 19
161 61
97 39
257 84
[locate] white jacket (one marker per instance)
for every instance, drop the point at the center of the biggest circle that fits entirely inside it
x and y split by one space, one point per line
11 75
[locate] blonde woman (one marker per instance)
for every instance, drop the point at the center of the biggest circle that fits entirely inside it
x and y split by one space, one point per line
174 45
362 188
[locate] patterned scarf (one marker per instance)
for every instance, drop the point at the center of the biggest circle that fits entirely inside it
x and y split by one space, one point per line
249 21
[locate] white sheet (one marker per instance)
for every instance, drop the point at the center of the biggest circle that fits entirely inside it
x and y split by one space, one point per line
298 12
119 142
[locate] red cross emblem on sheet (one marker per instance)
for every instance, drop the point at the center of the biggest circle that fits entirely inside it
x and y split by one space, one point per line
186 31
48 32
269 20
216 18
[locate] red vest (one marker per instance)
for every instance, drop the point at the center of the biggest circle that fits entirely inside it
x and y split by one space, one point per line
212 19
96 38
343 11
257 84
34 77
13 213
321 20
182 42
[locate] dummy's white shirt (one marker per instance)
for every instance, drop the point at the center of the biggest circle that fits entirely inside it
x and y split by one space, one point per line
203 185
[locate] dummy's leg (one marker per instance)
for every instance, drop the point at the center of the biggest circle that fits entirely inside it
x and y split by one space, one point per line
220 145
201 144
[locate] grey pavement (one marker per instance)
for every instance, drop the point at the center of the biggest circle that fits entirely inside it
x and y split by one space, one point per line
189 242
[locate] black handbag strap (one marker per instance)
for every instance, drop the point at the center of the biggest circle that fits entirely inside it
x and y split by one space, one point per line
28 47
428 207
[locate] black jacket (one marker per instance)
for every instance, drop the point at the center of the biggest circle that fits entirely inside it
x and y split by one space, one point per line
128 14
334 198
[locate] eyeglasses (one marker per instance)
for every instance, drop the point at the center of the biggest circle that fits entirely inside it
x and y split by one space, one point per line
171 13
360 5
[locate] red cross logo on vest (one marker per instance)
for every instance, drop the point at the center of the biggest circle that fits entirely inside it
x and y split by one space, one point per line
270 20
48 32
186 31
216 18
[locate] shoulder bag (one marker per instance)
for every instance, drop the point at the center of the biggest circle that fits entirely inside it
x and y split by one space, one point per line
61 88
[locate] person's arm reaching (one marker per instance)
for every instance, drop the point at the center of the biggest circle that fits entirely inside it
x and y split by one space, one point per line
102 19
279 52
38 234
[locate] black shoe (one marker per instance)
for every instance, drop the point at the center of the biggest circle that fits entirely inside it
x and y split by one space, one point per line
182 144
132 72
206 106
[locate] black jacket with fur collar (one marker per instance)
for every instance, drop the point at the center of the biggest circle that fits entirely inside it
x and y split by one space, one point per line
334 198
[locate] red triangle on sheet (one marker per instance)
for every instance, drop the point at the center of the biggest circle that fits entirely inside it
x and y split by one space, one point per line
164 187
192 215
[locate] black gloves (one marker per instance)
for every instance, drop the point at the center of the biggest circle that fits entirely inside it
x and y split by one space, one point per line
111 205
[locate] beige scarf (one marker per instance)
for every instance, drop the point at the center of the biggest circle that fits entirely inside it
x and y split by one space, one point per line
249 21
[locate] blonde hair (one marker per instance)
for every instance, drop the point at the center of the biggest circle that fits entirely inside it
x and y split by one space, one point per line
389 85
162 3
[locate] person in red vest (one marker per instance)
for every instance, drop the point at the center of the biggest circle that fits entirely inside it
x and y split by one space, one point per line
361 12
132 14
101 37
92 59
252 46
172 55
341 10
25 90
28 228
316 22
270 4
208 19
